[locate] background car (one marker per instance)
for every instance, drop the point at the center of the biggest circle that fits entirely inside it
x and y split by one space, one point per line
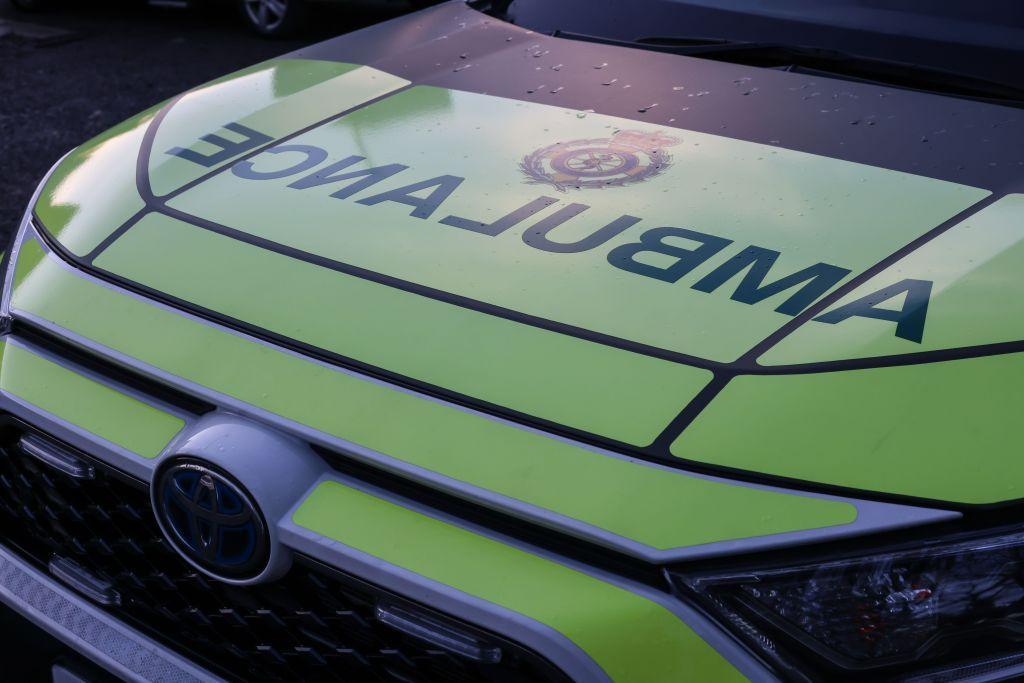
279 18
270 18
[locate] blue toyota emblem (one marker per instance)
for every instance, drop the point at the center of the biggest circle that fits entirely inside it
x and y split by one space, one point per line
211 519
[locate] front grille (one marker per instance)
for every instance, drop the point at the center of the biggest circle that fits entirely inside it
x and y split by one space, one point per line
314 624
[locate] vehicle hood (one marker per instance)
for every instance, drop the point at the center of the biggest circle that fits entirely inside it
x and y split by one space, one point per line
772 275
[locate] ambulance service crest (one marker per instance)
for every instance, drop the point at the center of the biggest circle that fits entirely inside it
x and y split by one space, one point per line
628 156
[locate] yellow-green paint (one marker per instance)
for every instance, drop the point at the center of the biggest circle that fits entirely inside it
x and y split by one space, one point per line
810 208
597 388
25 260
92 190
948 431
631 637
275 98
977 296
86 403
653 506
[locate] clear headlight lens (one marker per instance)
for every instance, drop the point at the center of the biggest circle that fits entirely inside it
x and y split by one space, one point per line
944 603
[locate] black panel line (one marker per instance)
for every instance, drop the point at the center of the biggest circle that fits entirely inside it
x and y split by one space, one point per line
745 365
842 290
442 295
657 451
648 454
749 360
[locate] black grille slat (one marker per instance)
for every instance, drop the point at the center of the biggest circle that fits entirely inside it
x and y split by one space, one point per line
314 624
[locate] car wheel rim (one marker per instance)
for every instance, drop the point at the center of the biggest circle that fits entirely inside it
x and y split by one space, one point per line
266 14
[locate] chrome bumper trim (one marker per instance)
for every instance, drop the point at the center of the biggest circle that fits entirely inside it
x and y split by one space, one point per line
98 636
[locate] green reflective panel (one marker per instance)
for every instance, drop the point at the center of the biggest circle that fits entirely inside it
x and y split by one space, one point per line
977 296
597 388
92 191
96 408
629 636
275 98
25 260
948 431
657 507
808 208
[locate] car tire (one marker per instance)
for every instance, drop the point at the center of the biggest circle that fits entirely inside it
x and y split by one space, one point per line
274 18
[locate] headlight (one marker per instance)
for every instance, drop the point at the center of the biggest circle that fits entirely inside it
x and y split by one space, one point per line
953 609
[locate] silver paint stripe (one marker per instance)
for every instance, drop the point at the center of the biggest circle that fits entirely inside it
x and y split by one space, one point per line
551 644
89 630
540 637
546 641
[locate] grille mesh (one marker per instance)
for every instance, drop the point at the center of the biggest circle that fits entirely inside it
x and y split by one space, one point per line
314 624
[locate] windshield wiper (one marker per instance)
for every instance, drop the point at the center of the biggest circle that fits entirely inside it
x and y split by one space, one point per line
822 62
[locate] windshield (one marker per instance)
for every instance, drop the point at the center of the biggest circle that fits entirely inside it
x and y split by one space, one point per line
982 40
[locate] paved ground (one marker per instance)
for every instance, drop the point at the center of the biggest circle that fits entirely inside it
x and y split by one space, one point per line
116 59
29 654
77 70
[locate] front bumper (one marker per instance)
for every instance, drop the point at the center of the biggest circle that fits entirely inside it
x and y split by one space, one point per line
312 623
88 629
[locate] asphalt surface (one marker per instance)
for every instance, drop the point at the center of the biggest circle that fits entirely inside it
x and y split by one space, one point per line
29 655
116 59
79 69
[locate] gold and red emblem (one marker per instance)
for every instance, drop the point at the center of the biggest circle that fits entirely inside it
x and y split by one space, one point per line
628 156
